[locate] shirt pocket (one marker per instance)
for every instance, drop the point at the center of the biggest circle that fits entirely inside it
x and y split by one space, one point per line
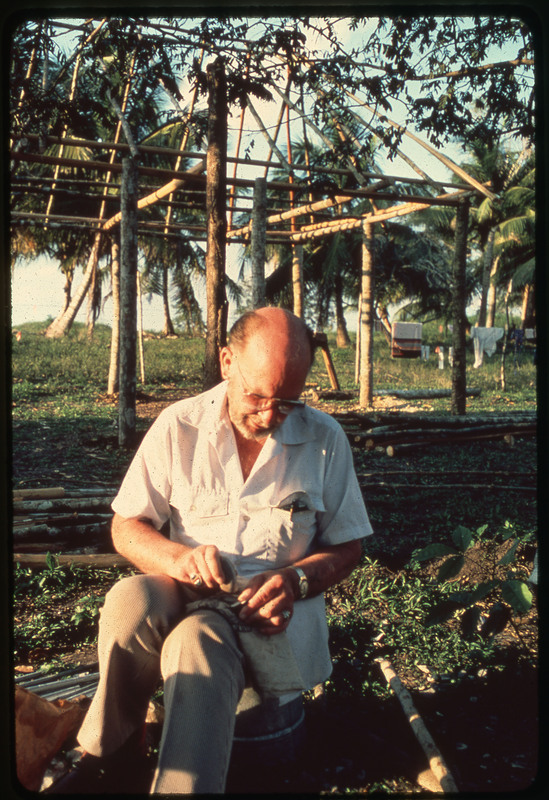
292 527
208 520
209 504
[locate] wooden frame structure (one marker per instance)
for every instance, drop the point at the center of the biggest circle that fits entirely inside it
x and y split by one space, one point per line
275 208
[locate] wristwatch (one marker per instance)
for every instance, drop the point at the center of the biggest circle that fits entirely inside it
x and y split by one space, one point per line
303 582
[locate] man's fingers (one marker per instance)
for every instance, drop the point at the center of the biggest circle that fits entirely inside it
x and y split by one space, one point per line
204 567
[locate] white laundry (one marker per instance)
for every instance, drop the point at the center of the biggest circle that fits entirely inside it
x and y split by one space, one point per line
485 341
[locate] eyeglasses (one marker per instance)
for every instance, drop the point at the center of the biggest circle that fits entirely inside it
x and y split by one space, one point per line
260 403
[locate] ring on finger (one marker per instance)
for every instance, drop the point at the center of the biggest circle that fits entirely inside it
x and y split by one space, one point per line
196 579
286 614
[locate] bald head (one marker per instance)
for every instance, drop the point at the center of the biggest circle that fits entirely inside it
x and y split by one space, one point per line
268 357
276 332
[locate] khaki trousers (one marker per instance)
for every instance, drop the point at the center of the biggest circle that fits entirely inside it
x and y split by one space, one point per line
144 635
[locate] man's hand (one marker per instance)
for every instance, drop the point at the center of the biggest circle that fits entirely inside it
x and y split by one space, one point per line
200 567
269 600
150 551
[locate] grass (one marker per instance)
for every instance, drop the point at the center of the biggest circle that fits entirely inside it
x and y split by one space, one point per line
47 369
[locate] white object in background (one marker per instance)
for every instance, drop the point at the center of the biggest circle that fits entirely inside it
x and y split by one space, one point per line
485 341
406 339
441 357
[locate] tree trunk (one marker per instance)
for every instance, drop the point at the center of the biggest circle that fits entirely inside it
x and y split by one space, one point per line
259 228
168 329
128 304
491 302
216 159
63 322
94 300
342 337
527 316
367 318
486 267
459 301
387 329
67 288
112 385
505 337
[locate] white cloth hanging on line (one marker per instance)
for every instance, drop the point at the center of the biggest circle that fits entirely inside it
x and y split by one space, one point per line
485 341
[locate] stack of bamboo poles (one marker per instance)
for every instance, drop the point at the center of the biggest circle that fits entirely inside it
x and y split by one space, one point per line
62 521
400 433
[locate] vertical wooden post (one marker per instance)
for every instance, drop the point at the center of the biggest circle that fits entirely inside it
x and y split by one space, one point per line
140 327
459 300
357 352
128 304
112 385
259 230
367 318
216 180
297 278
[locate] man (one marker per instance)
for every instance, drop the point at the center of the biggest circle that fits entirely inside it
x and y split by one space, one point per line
246 472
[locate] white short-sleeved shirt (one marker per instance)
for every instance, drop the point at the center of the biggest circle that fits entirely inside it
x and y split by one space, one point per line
301 494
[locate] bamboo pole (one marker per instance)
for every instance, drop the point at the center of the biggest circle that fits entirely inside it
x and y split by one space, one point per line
459 299
72 93
367 317
122 147
268 165
297 251
309 208
232 193
267 135
193 174
114 361
440 156
436 761
100 560
39 493
140 326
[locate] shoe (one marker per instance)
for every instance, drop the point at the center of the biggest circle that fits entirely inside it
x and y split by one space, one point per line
126 771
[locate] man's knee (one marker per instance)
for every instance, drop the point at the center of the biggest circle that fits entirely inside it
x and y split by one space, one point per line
137 601
204 641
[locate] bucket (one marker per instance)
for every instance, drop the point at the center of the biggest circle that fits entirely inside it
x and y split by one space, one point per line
268 738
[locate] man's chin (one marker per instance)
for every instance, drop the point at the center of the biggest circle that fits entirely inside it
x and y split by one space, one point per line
253 432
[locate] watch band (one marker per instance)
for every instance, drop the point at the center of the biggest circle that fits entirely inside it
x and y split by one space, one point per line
303 583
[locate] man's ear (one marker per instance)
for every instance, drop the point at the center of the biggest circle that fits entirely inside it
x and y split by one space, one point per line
225 361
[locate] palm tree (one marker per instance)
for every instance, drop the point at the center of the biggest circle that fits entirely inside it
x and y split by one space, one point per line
504 226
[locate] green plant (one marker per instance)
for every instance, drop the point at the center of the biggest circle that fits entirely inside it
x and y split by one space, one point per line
86 611
486 607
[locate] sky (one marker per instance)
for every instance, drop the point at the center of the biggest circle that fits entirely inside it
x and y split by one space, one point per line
37 287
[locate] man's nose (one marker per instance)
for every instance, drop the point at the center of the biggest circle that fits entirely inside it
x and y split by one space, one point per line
270 415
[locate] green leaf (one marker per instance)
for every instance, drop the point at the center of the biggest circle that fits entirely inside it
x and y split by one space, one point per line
510 554
462 538
435 550
482 590
51 561
518 595
451 568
